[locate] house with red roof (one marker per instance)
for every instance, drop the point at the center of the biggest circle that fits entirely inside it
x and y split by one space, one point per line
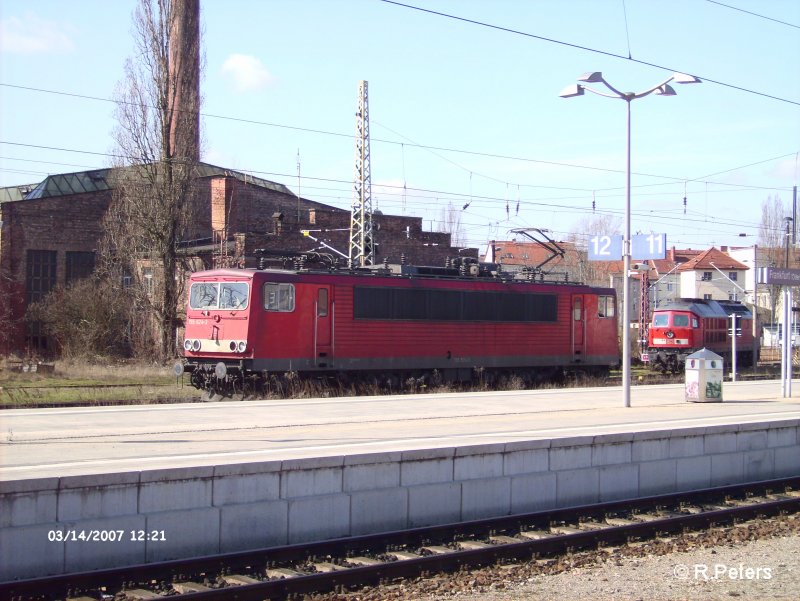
712 274
664 277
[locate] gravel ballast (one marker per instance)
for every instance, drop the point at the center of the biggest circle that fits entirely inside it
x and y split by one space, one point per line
757 560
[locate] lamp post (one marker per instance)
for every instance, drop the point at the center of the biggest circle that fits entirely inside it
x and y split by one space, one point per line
662 89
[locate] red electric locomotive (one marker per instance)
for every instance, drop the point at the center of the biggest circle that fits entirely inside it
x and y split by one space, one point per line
244 327
682 327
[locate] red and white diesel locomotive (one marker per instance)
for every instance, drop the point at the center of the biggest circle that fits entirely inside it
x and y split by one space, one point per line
685 326
244 327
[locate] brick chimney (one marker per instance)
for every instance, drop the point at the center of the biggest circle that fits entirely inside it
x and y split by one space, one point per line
184 59
221 203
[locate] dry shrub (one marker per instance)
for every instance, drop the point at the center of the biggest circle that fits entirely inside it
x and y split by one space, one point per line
6 298
89 319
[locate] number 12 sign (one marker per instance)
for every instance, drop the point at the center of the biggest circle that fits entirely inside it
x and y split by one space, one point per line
605 248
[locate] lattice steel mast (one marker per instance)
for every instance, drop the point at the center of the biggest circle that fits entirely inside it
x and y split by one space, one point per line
644 310
362 247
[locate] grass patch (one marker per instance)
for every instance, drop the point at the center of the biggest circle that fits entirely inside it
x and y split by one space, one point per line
85 383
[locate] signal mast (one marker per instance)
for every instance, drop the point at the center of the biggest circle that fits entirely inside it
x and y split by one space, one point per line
362 247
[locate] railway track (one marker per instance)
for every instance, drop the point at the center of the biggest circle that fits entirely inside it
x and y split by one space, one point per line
281 573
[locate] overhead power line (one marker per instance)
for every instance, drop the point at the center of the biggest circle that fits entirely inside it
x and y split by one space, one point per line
672 179
754 14
587 49
343 135
444 195
407 143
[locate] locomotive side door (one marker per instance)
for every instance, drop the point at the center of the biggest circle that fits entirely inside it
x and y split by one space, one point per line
323 327
578 319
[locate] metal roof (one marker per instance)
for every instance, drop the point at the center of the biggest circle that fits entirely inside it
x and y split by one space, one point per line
14 193
97 180
71 183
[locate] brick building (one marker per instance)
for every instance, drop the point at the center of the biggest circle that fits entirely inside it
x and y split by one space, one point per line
50 231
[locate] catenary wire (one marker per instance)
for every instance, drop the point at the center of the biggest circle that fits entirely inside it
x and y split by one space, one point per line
453 195
587 49
754 14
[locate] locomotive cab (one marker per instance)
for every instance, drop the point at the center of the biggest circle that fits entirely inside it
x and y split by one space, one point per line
218 321
688 325
672 334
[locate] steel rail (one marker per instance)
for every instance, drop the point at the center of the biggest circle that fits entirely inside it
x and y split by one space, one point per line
71 585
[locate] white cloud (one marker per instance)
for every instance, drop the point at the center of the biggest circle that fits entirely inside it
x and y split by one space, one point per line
248 73
31 35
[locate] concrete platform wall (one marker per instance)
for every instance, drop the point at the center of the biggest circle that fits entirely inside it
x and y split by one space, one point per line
207 510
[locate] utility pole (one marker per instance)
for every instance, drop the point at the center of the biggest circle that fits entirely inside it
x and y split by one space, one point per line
362 245
787 331
733 346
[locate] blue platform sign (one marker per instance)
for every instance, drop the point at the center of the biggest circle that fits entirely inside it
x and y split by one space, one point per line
649 246
605 248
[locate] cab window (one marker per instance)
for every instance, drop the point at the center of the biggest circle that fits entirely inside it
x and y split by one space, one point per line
680 321
279 297
233 295
216 295
605 306
203 295
661 320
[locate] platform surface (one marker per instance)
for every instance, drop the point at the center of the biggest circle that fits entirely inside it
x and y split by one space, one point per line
38 443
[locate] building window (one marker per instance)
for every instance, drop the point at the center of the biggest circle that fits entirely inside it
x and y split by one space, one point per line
79 265
41 274
670 287
706 297
40 278
147 281
733 275
706 277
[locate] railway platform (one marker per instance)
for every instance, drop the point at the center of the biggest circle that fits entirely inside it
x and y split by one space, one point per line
172 481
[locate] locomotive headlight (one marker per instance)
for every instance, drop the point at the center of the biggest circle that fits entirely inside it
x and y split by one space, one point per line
232 345
195 345
187 345
242 346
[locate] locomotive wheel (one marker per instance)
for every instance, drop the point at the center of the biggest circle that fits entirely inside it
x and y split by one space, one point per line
211 396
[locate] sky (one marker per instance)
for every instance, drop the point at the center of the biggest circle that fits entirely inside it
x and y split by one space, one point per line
464 112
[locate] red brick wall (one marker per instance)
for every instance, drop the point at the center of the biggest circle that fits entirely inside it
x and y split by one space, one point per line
65 223
73 223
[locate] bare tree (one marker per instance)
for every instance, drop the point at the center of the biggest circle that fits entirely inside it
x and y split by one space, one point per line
772 241
771 231
157 114
592 272
451 223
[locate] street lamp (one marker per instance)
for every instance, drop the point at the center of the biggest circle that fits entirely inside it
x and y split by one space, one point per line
662 89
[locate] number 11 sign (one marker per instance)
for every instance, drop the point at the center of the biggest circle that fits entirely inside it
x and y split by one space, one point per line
649 246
